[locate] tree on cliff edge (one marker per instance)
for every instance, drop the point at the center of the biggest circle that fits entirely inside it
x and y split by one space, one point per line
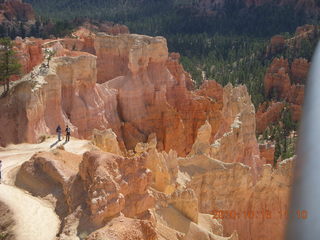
8 63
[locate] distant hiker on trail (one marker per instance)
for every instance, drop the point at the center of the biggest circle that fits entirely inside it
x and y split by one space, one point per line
0 169
68 133
59 130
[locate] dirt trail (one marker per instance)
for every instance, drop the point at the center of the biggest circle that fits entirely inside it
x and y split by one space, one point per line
35 218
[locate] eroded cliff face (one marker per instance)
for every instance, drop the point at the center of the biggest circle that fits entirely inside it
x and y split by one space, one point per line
255 207
236 139
283 82
148 89
104 195
16 10
65 93
177 154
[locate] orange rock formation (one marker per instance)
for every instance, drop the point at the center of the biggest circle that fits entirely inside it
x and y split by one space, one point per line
16 10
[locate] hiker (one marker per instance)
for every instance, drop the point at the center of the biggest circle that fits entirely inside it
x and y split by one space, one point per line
68 133
0 169
58 130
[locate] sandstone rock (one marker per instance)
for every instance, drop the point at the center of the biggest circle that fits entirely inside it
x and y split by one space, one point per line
299 70
148 93
277 44
235 190
277 81
267 114
178 72
202 143
65 93
196 232
164 166
107 141
123 228
186 202
53 173
171 224
267 152
236 139
29 53
115 184
151 92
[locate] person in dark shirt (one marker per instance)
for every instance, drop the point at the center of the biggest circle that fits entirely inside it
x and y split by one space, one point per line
68 133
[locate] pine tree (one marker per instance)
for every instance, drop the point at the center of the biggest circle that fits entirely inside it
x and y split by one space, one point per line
8 62
22 30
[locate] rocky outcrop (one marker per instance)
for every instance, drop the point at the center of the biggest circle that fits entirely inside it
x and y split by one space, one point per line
276 45
142 90
236 139
53 173
299 70
64 93
107 195
277 81
123 228
16 10
267 114
107 141
267 152
152 92
255 208
282 83
29 53
164 166
115 184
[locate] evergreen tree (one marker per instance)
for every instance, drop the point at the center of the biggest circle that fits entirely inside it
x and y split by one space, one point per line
8 63
22 30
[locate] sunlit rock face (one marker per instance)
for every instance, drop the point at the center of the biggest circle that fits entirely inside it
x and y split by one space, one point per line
107 141
255 207
236 140
153 95
65 93
143 88
29 53
115 184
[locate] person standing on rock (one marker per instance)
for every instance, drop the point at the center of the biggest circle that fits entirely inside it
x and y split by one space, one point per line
0 169
68 133
58 130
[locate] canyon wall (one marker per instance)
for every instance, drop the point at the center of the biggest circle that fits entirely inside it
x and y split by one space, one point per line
141 90
179 156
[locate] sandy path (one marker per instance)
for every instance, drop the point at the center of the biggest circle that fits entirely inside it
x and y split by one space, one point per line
35 218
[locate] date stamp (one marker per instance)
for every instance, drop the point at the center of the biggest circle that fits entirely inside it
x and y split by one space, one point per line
259 214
